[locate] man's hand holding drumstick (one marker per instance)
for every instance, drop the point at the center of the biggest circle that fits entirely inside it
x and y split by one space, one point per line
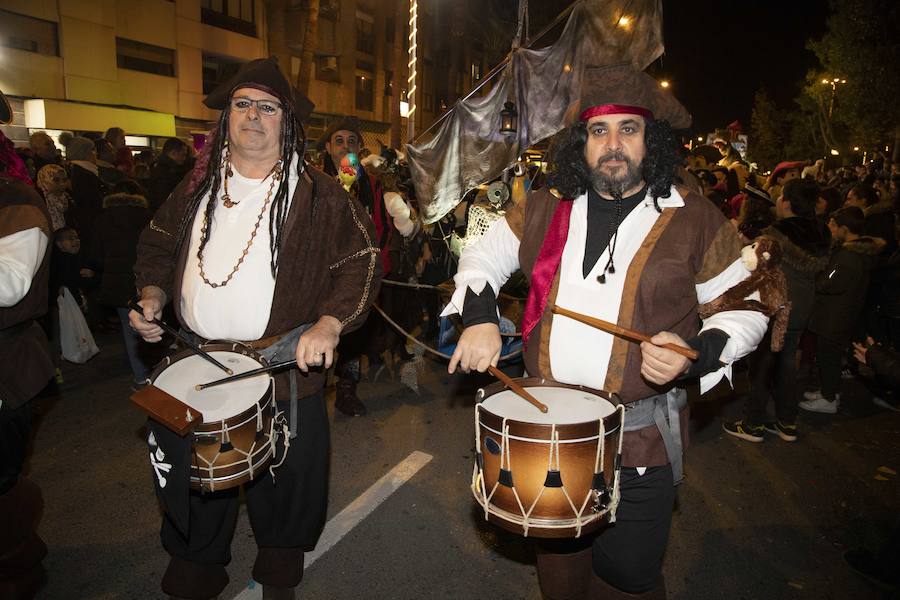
153 299
664 356
478 348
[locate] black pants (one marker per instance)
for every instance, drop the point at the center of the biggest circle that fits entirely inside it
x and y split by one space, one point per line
828 356
287 515
15 426
775 373
628 554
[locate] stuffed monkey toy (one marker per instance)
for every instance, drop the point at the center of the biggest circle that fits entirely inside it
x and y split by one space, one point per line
761 258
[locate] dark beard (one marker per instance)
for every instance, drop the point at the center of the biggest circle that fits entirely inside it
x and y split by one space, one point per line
615 185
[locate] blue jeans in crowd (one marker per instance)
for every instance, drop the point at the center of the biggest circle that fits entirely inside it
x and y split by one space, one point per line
139 369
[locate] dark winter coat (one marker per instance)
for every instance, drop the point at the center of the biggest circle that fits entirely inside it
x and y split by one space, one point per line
113 248
887 276
88 191
165 176
886 364
880 223
804 248
841 288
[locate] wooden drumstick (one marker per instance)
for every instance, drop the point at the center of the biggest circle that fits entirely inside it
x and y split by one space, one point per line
194 347
515 387
624 332
246 374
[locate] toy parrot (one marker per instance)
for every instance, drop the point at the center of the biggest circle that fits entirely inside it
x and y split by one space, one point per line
348 170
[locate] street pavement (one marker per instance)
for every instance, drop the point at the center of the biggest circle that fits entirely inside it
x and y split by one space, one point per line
753 521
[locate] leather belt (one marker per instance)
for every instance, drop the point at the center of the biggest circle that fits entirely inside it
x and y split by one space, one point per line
264 342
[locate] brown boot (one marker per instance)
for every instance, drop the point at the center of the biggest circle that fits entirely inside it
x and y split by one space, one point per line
346 399
564 576
600 590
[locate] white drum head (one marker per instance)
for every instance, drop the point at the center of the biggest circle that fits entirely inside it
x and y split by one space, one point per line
215 403
565 406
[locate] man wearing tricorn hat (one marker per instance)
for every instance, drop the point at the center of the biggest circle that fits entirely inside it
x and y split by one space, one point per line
341 139
613 238
255 245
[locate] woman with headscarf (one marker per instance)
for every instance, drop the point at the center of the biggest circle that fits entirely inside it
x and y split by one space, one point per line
53 183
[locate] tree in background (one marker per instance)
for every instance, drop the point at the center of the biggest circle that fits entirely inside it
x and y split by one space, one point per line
861 45
768 131
308 50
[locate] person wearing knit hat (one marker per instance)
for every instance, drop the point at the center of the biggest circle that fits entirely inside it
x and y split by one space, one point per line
88 190
256 245
614 238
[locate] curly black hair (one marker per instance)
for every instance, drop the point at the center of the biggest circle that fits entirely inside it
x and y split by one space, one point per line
207 179
571 175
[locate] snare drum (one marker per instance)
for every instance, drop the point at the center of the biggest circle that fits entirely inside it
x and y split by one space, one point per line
236 440
553 474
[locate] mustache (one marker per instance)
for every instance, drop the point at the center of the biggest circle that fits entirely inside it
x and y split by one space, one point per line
614 155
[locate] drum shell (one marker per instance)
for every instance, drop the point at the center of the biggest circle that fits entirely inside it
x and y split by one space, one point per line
211 468
529 462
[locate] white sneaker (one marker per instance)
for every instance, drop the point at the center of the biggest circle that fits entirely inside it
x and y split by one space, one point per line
820 405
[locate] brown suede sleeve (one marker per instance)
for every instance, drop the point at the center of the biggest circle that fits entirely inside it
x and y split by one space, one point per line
155 263
22 217
354 262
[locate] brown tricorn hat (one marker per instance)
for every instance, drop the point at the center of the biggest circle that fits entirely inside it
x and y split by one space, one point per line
345 124
263 74
618 89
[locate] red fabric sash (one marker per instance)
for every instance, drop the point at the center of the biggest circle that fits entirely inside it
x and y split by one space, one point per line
614 109
545 267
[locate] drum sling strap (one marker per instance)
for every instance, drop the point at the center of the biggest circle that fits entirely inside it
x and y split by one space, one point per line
285 348
662 410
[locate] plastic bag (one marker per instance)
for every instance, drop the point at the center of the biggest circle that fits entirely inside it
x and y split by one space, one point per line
75 337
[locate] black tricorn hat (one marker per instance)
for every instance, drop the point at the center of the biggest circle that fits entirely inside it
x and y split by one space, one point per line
345 124
263 74
619 88
5 110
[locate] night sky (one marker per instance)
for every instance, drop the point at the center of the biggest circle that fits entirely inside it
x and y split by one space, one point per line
718 53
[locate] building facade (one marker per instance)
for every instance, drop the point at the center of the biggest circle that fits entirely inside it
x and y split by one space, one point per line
86 65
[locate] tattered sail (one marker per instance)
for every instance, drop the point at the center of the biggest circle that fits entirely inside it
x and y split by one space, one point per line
468 148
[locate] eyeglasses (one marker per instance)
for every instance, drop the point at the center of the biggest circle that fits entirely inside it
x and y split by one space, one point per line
269 108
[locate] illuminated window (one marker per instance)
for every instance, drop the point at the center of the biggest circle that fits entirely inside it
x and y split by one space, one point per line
365 92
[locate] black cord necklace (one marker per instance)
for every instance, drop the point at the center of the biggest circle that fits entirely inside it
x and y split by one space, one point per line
613 230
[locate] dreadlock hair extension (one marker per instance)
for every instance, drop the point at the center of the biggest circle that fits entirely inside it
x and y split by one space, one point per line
207 177
569 172
293 140
660 159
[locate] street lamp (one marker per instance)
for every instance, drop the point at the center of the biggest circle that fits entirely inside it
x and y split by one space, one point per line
664 83
833 83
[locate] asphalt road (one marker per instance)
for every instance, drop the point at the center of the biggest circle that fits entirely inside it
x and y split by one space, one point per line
753 521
